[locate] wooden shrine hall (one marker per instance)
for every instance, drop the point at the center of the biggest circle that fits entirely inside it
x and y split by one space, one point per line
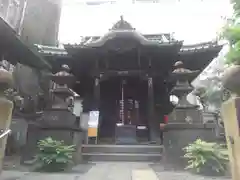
125 76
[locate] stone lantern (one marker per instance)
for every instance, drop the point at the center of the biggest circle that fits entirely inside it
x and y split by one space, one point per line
59 120
61 113
183 87
62 80
6 107
184 110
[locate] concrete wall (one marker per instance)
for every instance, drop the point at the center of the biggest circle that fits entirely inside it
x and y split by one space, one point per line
41 19
41 22
11 11
19 132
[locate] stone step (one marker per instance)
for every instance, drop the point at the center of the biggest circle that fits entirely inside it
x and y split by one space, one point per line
134 149
122 152
128 157
222 134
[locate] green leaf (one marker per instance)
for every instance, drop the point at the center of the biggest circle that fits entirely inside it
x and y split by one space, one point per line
54 154
201 154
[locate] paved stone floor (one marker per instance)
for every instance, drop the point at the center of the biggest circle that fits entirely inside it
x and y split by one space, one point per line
109 171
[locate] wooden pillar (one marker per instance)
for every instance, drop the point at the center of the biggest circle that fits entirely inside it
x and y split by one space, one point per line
96 93
153 125
231 117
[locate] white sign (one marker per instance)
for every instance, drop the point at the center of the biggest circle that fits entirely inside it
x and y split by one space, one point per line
84 121
93 119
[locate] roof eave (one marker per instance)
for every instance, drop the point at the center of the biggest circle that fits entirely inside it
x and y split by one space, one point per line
15 47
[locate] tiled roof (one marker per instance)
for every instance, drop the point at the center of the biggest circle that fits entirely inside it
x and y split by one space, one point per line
185 48
51 51
165 37
199 47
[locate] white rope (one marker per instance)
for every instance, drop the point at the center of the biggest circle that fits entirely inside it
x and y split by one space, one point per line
5 133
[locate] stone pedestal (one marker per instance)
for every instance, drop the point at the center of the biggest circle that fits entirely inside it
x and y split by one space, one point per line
231 117
6 107
191 115
126 134
60 124
179 135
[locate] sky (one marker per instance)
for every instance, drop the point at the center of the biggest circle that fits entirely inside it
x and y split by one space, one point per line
193 21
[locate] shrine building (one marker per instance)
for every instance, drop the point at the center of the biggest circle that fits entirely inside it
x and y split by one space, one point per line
126 76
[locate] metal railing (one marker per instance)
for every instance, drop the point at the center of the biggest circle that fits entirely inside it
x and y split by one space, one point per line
4 133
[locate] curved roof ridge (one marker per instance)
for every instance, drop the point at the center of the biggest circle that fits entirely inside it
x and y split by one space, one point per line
122 25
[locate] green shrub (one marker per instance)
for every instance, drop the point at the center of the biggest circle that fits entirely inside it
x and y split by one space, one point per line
203 155
231 33
54 155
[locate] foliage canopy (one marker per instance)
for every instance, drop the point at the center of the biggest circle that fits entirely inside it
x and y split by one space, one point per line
231 33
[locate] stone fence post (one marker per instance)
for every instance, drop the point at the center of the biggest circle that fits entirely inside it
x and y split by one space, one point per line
231 117
5 122
6 107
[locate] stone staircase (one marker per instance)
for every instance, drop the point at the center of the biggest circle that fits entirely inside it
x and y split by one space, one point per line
216 119
130 153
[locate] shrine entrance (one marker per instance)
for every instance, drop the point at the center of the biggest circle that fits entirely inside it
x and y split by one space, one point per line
123 103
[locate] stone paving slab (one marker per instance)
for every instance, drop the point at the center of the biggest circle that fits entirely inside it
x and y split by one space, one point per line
119 172
42 176
186 176
143 174
12 175
110 171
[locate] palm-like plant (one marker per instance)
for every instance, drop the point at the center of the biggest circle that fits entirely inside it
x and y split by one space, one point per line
201 154
54 155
